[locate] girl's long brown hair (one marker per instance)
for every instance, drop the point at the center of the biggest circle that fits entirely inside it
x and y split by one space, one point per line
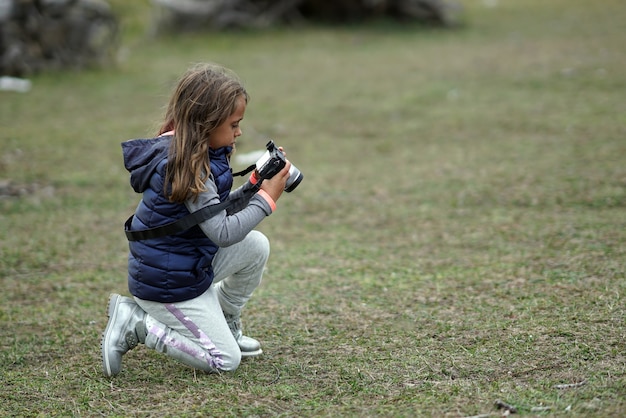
204 98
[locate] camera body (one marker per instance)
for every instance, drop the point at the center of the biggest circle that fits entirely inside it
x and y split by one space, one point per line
272 162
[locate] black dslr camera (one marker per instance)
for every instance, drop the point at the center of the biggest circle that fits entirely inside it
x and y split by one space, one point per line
272 162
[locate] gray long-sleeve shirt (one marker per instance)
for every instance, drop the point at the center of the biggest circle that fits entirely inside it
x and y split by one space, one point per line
226 229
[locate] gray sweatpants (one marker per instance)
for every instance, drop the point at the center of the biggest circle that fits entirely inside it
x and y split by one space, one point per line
194 331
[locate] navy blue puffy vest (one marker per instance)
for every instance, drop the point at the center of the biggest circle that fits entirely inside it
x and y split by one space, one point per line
176 267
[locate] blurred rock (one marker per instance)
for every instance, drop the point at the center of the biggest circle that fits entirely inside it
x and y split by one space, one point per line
40 35
186 15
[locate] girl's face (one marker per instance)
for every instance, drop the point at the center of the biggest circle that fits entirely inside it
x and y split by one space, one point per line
225 135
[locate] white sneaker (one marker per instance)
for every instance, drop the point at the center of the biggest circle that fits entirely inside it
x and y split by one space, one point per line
249 346
120 335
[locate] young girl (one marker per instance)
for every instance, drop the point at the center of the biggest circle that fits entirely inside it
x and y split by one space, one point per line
189 288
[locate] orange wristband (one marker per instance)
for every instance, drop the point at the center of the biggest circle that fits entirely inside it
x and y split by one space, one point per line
268 199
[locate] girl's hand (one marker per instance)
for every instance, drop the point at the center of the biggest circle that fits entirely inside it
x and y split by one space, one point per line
276 185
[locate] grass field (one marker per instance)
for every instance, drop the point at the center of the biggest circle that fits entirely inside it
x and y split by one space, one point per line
459 237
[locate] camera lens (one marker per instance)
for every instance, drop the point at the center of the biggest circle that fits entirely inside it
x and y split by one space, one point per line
295 177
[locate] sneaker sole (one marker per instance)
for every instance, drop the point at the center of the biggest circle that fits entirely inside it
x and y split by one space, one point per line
256 353
111 314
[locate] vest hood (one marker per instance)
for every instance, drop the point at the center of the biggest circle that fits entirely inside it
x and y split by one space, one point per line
142 156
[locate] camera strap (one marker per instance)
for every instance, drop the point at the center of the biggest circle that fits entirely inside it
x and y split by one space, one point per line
176 226
187 221
245 171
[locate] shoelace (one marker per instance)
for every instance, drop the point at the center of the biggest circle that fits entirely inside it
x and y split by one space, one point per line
234 323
